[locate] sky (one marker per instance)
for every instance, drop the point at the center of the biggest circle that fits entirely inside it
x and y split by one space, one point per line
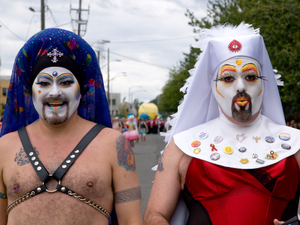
146 38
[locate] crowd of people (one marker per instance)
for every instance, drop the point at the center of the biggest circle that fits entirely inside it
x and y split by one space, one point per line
136 129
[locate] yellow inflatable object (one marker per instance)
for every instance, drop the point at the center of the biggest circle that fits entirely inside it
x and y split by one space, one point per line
148 108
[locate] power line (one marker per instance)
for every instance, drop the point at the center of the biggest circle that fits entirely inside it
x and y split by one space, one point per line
12 31
153 40
152 64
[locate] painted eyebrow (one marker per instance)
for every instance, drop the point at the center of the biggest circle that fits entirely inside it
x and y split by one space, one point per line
45 76
227 67
65 75
249 67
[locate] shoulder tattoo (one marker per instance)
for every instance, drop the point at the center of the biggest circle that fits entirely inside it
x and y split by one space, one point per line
3 196
128 195
125 154
160 166
21 157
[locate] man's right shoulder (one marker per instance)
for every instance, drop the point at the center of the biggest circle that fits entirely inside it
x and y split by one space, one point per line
7 143
8 139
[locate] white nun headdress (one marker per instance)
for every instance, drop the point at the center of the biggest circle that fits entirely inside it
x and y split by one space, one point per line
217 45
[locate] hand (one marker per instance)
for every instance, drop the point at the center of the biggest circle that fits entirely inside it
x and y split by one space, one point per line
277 222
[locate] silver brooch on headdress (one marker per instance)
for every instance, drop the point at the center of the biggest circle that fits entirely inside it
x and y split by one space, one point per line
55 53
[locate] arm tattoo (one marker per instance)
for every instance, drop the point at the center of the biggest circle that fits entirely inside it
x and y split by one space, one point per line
128 195
3 196
160 166
22 158
125 154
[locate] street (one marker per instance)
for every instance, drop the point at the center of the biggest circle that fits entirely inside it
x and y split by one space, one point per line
147 156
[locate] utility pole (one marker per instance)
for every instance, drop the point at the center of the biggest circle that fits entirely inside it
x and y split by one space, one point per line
79 25
108 97
42 14
79 17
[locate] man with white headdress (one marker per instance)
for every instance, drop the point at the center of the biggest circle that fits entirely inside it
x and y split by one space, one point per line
230 158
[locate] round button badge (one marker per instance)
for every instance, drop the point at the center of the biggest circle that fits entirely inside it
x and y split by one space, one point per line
215 156
195 144
269 139
197 150
218 139
203 135
242 149
286 146
284 136
228 150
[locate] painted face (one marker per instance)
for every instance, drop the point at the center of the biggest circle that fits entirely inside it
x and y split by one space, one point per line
55 94
239 88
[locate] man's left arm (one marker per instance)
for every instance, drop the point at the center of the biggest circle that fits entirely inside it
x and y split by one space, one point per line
127 191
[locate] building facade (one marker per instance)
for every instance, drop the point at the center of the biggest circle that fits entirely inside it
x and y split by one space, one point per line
4 84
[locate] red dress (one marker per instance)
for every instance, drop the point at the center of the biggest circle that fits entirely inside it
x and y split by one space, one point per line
240 197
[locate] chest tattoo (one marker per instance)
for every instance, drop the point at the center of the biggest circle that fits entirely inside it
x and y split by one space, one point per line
21 157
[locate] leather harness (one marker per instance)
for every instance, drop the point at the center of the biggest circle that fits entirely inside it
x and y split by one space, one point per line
45 176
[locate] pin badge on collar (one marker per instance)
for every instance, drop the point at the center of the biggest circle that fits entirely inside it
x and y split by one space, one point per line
286 146
269 139
215 156
195 144
240 137
218 139
203 135
256 138
284 136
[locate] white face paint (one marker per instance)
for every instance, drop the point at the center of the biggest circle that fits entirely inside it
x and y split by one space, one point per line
239 88
56 94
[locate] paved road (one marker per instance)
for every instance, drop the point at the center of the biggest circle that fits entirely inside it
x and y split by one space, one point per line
146 156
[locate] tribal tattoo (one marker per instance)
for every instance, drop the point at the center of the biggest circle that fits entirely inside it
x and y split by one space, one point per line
3 196
128 195
125 154
22 158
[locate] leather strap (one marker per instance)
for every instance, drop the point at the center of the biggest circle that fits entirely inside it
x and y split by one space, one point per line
32 156
67 163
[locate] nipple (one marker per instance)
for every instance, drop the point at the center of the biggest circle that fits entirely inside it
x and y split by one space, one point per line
89 184
15 188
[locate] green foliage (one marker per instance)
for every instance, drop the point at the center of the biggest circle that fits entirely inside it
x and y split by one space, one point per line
169 99
123 109
279 24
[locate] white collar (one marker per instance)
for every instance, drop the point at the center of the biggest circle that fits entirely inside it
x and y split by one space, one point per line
236 137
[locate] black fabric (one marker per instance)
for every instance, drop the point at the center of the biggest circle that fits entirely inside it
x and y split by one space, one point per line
64 61
292 207
198 215
63 168
264 178
292 221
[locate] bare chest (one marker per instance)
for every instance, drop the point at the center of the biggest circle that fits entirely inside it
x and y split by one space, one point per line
89 176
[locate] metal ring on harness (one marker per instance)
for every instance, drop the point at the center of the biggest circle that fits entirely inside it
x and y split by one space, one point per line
53 190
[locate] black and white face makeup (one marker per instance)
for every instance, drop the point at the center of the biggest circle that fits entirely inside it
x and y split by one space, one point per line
56 94
239 88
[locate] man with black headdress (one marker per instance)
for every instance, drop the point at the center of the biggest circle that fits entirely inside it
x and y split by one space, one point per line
59 163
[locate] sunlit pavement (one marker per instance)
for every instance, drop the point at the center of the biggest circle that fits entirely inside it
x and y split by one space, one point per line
146 156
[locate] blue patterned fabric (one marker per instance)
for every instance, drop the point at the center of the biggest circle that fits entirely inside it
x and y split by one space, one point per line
19 109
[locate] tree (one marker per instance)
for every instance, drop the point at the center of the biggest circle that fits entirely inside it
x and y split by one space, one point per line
169 99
